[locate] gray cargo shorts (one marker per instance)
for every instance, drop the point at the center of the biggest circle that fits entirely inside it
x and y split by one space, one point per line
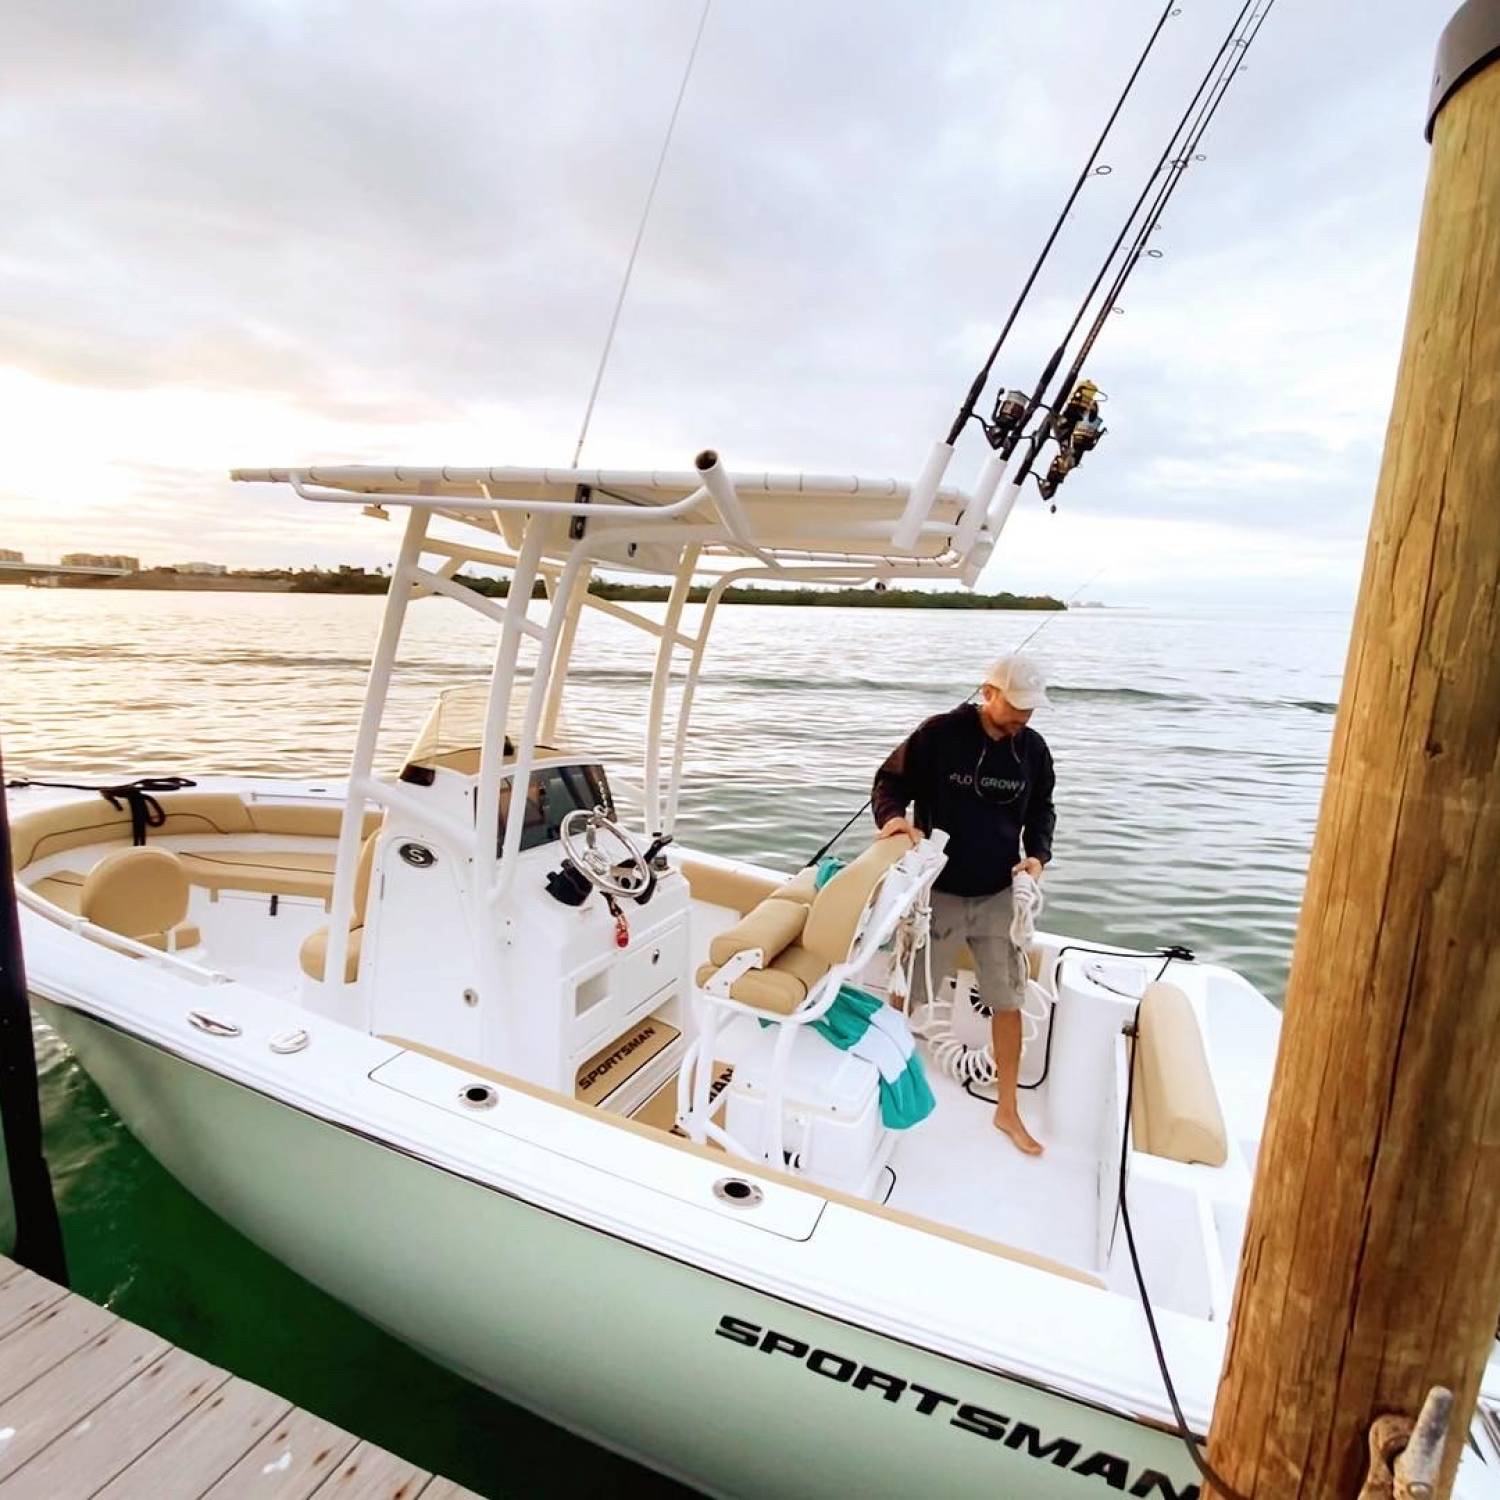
983 924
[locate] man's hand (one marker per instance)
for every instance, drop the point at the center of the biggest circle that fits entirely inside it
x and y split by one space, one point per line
893 826
1030 866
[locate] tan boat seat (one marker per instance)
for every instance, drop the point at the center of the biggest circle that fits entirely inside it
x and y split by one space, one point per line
739 889
62 888
277 872
313 955
1175 1111
801 943
141 894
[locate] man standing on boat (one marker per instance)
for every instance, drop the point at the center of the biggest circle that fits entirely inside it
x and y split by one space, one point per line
983 776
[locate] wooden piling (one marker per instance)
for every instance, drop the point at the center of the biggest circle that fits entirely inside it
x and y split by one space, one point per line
1371 1263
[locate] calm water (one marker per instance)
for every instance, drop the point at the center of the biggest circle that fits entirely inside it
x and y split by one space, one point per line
1190 751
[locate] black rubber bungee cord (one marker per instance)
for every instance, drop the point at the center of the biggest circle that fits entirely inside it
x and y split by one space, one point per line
1226 68
132 796
1211 1477
1058 354
1177 952
981 379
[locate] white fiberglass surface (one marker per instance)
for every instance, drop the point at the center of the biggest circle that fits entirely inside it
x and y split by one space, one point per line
957 1168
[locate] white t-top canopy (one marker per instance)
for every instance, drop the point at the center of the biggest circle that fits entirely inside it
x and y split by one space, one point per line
829 517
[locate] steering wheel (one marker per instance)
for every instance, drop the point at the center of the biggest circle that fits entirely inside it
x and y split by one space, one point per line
603 853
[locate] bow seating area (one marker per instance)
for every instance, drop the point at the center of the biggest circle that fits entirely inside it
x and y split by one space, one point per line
263 860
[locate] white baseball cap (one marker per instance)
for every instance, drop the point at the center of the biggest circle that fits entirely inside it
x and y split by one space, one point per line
1021 681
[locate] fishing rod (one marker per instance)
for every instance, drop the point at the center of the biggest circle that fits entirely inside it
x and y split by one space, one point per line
1075 422
966 411
1013 409
926 485
1052 615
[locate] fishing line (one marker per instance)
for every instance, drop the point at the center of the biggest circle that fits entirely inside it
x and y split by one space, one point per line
640 232
1225 69
1149 225
1035 399
981 379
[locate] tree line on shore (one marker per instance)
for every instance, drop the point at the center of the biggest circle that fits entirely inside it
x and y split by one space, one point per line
348 579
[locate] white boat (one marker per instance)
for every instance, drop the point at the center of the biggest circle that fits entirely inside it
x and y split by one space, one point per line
605 1167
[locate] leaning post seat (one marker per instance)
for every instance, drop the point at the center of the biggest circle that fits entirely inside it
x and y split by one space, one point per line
782 963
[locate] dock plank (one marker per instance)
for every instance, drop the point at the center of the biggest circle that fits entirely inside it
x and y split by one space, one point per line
447 1489
91 1452
204 1446
22 1297
289 1462
370 1473
95 1408
67 1393
48 1339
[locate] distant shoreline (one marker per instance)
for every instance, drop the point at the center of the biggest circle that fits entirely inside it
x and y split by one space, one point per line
347 580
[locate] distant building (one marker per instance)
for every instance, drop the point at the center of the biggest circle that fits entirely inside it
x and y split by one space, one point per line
101 560
209 570
8 554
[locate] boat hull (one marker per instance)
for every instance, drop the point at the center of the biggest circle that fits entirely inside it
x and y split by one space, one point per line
731 1390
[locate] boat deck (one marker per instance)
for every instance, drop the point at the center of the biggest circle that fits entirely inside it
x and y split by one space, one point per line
91 1405
957 1169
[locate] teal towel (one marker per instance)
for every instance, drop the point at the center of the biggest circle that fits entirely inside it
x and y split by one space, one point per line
865 1025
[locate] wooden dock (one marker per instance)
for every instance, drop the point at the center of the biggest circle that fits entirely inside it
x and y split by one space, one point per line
91 1405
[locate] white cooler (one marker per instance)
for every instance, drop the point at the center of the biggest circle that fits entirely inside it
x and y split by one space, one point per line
831 1128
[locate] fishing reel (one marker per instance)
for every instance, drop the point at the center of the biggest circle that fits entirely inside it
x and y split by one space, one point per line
1077 427
1063 464
1009 417
1081 406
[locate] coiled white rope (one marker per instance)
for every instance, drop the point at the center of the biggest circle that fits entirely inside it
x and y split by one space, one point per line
971 1061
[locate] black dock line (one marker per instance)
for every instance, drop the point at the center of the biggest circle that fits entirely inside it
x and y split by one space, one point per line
39 1245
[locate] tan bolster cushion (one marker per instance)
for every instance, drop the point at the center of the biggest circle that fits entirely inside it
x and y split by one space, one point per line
50 830
282 872
771 927
63 888
313 955
720 885
1176 1111
779 989
836 909
801 887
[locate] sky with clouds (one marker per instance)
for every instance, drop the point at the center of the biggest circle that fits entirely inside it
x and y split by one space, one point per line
284 231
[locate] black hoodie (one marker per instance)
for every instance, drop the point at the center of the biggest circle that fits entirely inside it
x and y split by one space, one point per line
990 796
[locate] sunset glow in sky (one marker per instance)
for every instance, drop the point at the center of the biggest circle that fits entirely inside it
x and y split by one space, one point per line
270 232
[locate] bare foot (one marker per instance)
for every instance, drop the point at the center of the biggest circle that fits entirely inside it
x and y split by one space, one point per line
1009 1123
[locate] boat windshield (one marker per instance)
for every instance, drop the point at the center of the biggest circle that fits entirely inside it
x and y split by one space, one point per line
552 793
